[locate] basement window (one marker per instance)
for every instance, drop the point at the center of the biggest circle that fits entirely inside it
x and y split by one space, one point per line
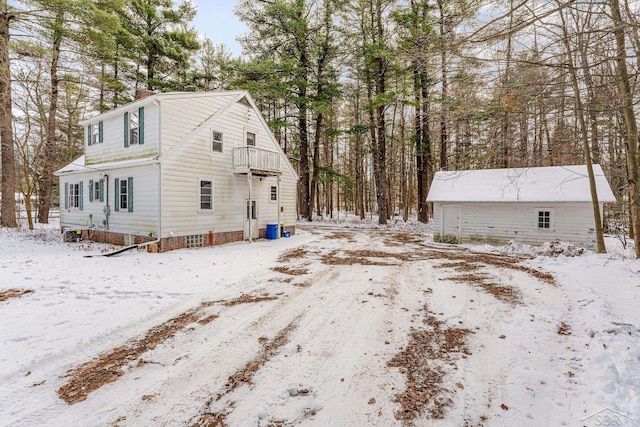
195 241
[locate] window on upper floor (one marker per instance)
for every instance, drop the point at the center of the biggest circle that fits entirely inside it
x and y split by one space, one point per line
134 127
216 141
95 133
251 138
123 193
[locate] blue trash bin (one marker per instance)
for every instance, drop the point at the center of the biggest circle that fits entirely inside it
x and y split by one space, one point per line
272 231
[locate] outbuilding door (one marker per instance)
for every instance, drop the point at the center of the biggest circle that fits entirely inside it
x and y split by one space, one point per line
451 221
251 220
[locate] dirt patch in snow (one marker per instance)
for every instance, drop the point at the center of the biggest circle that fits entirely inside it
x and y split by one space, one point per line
340 235
401 239
504 293
364 257
295 253
13 293
246 299
244 375
291 271
430 354
108 367
496 260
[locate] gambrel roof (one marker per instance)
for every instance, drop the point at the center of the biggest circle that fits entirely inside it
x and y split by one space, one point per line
540 184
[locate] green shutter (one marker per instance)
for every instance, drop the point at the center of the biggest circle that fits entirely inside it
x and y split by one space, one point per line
116 205
130 194
66 195
141 125
126 129
100 132
80 189
101 190
91 190
89 135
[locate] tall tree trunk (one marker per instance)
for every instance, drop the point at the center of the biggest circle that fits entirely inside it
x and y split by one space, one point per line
631 144
50 146
444 131
380 154
7 151
585 139
423 142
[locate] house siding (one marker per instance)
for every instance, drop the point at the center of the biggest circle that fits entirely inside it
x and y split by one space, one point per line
113 149
184 164
143 221
498 223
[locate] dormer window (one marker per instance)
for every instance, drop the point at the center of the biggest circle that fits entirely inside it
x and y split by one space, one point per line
134 127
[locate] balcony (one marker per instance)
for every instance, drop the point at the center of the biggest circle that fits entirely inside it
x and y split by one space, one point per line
256 160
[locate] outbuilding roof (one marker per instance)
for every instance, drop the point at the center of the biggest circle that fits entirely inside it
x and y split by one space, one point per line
541 184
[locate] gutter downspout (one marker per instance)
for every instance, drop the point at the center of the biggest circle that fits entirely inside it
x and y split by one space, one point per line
107 208
158 157
250 205
278 195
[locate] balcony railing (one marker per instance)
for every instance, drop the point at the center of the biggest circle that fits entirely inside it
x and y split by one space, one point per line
255 159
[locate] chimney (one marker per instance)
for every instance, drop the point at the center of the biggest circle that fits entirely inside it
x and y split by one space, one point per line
142 93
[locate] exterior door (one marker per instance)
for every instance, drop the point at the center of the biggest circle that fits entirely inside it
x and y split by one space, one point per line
251 219
451 223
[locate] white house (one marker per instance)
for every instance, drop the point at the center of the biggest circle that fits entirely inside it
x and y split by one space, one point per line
187 169
529 205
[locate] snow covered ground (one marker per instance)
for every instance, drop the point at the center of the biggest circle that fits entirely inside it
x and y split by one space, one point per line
343 324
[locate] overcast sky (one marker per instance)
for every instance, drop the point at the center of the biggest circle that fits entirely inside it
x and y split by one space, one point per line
216 20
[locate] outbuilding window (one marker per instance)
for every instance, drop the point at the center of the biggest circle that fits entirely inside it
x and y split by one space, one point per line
544 219
274 193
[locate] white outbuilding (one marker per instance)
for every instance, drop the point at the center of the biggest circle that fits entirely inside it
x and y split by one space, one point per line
528 205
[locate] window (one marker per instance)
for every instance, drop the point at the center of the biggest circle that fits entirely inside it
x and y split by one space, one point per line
195 241
274 193
251 138
134 127
96 190
95 133
74 196
544 219
206 201
252 210
123 194
216 141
